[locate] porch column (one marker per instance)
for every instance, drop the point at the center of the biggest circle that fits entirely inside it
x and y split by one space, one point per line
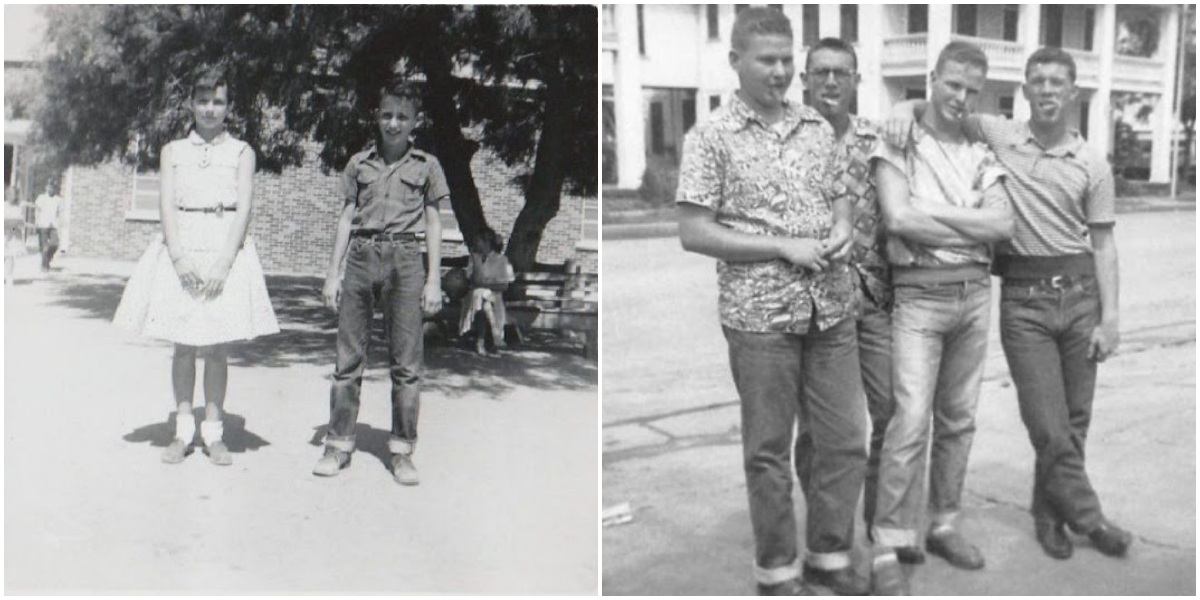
830 21
1029 35
1163 120
873 101
1100 121
627 84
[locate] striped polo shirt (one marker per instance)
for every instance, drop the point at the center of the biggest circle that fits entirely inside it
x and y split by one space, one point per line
1057 193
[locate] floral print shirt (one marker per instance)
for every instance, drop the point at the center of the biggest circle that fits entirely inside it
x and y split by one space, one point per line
775 180
868 257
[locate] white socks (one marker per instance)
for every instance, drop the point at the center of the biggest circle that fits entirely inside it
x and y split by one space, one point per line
185 427
211 431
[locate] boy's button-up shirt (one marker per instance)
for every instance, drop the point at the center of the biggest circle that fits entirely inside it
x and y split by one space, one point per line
1057 193
868 258
775 180
392 198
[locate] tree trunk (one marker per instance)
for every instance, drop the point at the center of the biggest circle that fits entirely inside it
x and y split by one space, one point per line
545 185
453 150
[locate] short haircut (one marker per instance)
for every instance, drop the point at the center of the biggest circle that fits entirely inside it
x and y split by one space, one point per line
1051 55
831 43
404 90
963 53
208 79
758 20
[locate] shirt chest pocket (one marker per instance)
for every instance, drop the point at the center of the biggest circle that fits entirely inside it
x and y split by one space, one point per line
403 188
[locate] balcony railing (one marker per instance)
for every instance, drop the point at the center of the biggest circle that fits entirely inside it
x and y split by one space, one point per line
1087 67
903 52
609 23
1134 73
1002 55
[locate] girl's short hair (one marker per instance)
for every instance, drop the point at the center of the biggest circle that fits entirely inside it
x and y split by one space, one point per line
209 79
404 90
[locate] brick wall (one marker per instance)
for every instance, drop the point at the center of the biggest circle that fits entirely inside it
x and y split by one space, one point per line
295 214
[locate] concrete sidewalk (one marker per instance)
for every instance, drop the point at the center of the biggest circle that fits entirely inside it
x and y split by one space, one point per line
507 454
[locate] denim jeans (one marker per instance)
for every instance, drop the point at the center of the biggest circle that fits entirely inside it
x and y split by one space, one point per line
391 273
816 376
1046 333
875 362
939 342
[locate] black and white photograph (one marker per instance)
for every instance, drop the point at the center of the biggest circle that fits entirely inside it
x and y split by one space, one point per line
301 299
898 299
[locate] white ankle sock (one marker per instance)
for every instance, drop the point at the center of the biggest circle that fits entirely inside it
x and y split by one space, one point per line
211 431
185 427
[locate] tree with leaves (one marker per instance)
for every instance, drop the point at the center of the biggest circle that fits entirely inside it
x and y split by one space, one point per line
520 79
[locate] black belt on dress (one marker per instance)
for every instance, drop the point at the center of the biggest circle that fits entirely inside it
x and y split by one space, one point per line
217 210
380 236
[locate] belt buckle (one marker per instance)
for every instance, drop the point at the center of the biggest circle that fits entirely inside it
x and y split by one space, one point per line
1059 282
219 210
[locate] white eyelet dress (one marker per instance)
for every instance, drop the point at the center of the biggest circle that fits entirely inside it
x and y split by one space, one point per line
155 304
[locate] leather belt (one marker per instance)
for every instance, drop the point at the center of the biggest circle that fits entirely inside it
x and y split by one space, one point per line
212 210
1058 282
380 236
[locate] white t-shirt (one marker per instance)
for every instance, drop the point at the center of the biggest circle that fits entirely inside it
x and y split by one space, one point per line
49 210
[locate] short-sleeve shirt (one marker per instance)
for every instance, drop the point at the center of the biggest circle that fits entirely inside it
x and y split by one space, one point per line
773 180
49 209
868 258
392 198
946 173
1057 193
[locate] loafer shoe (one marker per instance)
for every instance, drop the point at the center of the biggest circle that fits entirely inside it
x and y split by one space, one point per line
887 578
218 454
1110 539
910 555
953 547
1053 538
403 470
793 587
843 582
332 463
176 451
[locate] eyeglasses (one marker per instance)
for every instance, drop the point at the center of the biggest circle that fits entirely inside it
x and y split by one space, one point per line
838 74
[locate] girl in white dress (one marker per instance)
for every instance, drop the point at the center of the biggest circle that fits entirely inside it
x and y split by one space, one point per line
200 283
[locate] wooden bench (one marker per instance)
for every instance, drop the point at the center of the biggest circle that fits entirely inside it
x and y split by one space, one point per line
550 298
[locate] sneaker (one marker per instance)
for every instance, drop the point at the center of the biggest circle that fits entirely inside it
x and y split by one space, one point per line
1053 538
953 547
403 470
887 578
843 582
1110 539
332 462
792 587
176 451
218 454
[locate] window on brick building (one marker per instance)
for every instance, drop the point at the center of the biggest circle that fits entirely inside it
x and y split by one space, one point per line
714 21
850 23
143 204
589 234
810 17
1006 106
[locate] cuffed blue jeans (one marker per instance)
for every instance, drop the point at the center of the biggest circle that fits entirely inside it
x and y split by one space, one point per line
874 328
1046 334
814 376
939 343
390 273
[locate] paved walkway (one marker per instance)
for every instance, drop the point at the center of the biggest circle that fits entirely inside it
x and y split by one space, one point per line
507 503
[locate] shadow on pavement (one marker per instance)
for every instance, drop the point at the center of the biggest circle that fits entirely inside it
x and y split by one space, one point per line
236 437
366 439
308 335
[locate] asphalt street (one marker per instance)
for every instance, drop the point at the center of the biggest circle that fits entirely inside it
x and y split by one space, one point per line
671 442
507 456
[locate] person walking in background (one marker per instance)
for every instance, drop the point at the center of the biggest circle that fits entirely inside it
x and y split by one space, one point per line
831 79
758 191
943 204
48 218
390 194
200 284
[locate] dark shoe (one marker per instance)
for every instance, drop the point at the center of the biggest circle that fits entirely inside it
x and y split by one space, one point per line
218 454
1110 539
176 451
910 555
403 470
953 547
1053 538
887 578
792 587
332 463
843 582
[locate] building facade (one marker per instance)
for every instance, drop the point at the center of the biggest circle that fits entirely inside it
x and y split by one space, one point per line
114 214
666 66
